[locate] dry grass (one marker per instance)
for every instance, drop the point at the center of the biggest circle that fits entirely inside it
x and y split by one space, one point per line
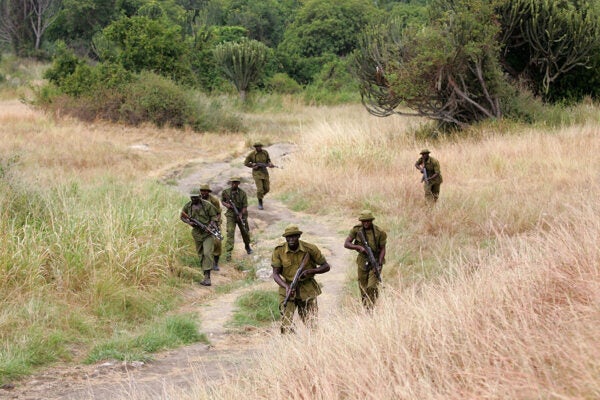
493 294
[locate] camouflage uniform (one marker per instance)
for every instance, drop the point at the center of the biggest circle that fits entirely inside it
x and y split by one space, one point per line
240 199
305 298
260 175
432 186
204 212
367 281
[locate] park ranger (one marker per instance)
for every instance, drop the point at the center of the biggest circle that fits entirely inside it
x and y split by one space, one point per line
235 199
204 212
376 238
432 175
259 161
286 260
205 194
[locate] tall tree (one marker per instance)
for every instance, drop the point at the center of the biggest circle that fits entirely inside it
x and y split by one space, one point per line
23 23
242 62
447 70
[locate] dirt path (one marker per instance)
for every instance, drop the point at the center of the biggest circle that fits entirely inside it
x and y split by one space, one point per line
229 351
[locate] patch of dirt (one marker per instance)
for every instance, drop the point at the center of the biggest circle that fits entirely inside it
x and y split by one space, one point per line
229 351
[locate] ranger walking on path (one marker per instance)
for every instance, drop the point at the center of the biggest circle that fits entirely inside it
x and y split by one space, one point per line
295 263
196 213
236 202
205 194
259 161
432 175
369 275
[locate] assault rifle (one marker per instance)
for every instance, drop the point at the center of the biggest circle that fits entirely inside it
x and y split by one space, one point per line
296 280
207 228
371 261
425 178
264 165
238 214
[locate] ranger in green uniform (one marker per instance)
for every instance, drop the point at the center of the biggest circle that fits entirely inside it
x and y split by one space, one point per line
432 179
376 239
205 213
286 260
205 194
236 196
259 160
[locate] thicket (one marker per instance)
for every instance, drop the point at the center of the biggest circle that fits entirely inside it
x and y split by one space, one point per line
457 62
111 92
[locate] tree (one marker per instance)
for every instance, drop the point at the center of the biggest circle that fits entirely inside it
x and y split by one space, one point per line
141 43
23 23
322 29
546 39
447 70
242 62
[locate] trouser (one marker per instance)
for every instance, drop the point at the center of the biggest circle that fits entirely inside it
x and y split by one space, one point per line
368 286
307 310
204 248
218 246
432 191
232 222
262 186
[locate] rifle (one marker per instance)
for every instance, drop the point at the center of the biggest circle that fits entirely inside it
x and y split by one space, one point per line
372 262
425 178
296 280
263 165
207 228
238 215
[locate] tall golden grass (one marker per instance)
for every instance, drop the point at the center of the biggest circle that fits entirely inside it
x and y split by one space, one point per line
493 293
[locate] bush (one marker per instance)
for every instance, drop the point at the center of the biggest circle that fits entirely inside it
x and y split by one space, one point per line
283 84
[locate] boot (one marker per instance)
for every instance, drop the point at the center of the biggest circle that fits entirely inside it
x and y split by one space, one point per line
206 281
260 204
248 249
216 264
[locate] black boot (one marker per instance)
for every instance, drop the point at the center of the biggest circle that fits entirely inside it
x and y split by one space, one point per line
248 249
216 264
260 204
206 281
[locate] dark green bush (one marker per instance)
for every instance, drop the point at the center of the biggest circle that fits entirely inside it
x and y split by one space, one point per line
283 84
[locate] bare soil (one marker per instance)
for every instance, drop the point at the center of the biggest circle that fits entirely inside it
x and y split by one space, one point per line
230 351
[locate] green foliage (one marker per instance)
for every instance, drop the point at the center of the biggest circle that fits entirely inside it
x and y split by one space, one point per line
283 84
242 62
256 308
108 91
546 40
447 70
141 43
64 64
263 20
334 84
321 28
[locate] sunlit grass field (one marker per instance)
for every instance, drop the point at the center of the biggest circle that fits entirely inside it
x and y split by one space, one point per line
493 293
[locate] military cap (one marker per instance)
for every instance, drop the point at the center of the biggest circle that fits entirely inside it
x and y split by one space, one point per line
366 215
425 151
291 230
257 144
205 187
195 192
235 179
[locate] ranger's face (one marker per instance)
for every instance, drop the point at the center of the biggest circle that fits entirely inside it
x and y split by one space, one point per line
293 241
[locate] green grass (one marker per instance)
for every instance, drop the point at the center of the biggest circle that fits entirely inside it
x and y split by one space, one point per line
165 334
256 308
